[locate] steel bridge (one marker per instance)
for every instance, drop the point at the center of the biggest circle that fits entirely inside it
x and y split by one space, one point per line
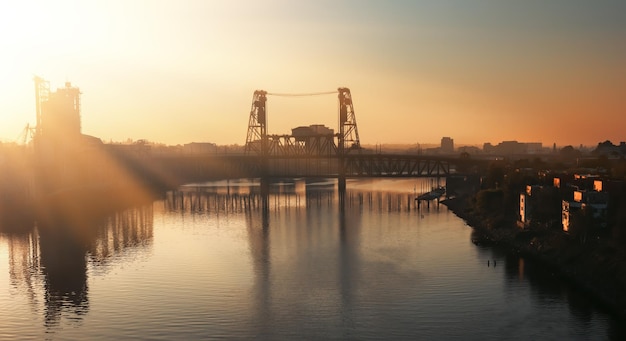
311 151
363 165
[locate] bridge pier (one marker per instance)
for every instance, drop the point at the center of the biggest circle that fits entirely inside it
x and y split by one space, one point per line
265 193
341 184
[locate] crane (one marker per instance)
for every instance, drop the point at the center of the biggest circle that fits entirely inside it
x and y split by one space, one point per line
25 134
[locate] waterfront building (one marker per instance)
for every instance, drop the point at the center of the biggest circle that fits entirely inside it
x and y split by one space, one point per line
526 204
538 205
595 204
591 203
568 208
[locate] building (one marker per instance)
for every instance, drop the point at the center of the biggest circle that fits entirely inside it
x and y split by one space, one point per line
513 147
60 114
447 145
568 208
65 157
534 147
525 205
314 130
591 203
200 148
314 139
471 150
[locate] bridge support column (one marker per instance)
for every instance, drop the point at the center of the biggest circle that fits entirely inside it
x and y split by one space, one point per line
341 184
265 194
341 190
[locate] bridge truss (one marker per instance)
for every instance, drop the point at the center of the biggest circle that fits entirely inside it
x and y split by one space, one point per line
328 155
258 142
390 165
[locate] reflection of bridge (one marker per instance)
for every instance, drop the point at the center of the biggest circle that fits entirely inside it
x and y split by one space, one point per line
295 194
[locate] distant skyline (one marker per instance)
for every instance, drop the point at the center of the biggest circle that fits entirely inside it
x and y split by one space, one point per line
184 71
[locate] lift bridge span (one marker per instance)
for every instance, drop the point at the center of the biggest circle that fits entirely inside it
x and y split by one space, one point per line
325 154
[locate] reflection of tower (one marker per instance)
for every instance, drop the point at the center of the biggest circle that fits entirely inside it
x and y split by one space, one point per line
64 268
63 254
61 261
297 252
349 258
49 264
258 238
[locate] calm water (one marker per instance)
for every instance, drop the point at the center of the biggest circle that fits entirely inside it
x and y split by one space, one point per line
217 261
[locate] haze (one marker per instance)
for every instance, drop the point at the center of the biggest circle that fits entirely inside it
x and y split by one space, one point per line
182 71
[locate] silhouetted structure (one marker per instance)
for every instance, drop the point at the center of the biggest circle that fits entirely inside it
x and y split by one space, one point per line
315 140
447 145
513 147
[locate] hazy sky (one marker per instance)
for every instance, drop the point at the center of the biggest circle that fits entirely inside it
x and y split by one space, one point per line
183 71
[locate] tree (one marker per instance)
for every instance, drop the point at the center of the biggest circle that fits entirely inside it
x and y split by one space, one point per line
495 175
604 148
489 202
570 152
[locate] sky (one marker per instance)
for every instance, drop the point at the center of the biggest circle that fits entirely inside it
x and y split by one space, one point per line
185 71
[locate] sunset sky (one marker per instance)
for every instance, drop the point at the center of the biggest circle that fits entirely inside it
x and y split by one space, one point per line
182 71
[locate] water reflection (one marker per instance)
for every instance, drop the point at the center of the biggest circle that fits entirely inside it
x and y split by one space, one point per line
292 242
367 264
49 264
250 195
548 289
257 223
119 232
349 261
64 268
528 283
23 255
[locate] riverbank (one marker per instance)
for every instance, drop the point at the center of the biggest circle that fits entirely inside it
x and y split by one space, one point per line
597 267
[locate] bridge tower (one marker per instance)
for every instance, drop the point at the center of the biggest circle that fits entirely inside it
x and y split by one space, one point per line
256 140
348 132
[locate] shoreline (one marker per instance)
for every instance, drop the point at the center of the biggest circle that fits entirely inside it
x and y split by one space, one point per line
583 267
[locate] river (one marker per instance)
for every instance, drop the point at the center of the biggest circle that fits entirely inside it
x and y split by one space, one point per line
220 260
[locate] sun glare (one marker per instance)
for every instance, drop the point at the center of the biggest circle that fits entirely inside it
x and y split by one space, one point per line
47 38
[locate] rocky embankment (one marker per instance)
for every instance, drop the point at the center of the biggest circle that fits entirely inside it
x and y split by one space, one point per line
594 266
